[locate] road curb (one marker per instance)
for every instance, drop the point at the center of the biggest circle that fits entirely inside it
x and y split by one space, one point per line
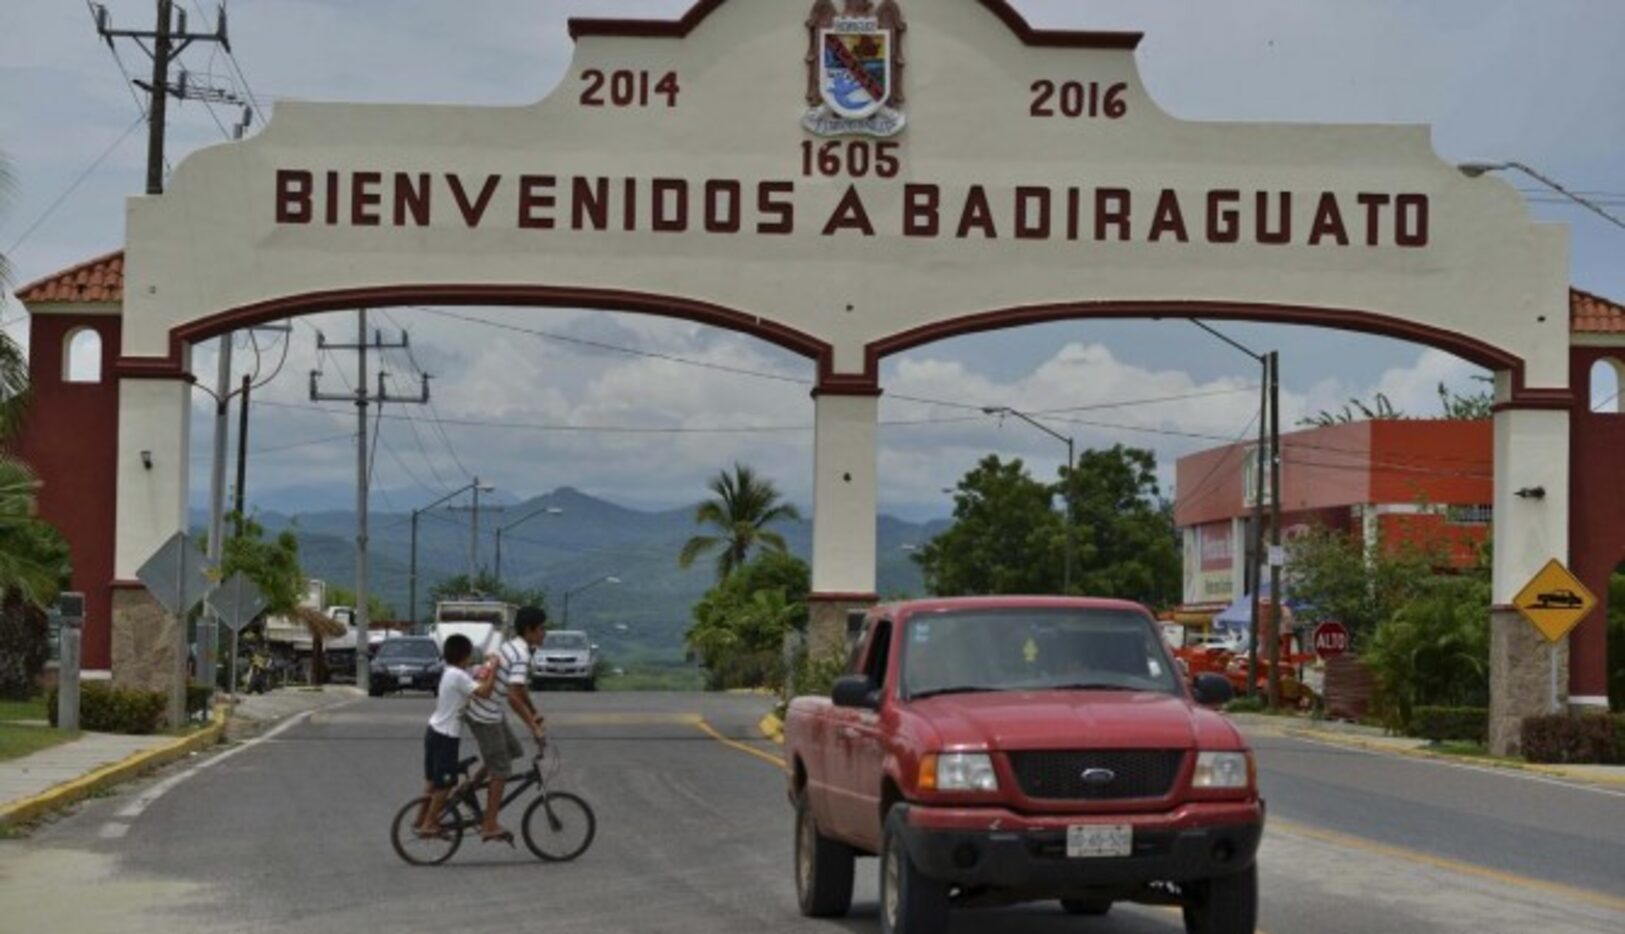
772 728
1357 742
30 809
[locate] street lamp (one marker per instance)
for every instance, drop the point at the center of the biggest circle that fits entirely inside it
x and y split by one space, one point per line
1476 169
477 487
1066 555
544 511
1269 420
607 579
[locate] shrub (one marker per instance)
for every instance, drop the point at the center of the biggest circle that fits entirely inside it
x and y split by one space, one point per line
1246 704
24 647
816 673
197 701
1583 738
1441 724
108 708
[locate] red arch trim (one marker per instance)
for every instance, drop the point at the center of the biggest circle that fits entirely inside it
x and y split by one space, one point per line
679 28
1468 348
276 309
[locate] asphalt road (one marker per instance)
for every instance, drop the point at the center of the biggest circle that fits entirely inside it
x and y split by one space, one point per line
290 835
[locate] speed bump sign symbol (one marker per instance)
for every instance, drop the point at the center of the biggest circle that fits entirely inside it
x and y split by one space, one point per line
1554 601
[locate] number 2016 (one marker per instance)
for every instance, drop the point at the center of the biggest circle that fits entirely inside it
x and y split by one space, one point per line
1075 99
624 88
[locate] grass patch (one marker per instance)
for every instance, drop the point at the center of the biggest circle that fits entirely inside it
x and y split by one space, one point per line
33 709
18 741
654 678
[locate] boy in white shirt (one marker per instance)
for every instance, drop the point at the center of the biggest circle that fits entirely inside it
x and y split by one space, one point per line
444 736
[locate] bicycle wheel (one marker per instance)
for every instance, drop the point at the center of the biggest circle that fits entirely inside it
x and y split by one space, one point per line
559 827
426 851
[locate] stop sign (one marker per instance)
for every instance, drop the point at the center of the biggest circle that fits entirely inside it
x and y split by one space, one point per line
1331 640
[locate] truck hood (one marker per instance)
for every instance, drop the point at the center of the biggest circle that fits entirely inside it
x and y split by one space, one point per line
1019 720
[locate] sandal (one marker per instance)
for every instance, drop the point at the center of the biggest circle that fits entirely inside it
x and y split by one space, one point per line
501 836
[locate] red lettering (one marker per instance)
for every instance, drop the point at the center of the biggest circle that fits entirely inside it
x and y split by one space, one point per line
1411 220
293 190
1223 223
1074 213
770 205
1328 222
589 203
473 212
536 193
1373 204
412 200
716 219
1027 228
1283 234
850 214
331 209
629 212
1113 207
364 199
922 205
978 215
1169 218
670 205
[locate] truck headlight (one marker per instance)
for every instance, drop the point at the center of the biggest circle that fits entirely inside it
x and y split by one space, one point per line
958 771
1223 770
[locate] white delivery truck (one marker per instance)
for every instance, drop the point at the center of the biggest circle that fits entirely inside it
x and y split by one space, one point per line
485 622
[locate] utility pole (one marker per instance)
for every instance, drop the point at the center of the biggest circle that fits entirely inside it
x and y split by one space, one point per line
1255 553
1276 601
363 466
164 43
240 500
474 526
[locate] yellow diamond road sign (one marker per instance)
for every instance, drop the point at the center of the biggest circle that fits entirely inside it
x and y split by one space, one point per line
1555 601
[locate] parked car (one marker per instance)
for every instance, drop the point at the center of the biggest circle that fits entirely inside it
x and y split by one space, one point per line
565 657
409 663
1007 749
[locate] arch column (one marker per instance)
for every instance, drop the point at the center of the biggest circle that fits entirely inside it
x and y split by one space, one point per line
1597 530
154 417
845 485
1531 451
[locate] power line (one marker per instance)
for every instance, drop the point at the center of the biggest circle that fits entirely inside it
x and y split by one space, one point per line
74 185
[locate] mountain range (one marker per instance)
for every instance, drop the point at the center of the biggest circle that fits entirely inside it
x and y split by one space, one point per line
570 540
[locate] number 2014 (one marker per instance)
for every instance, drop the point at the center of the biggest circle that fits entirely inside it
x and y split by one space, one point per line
624 88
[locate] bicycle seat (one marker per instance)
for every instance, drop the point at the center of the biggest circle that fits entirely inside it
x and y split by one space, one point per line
467 764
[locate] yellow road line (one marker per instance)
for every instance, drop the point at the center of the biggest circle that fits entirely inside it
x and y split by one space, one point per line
623 719
1335 838
709 730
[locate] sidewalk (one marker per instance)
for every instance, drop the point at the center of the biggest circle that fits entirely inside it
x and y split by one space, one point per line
1373 739
54 778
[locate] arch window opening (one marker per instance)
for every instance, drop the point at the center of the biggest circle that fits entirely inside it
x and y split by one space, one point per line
82 357
1607 379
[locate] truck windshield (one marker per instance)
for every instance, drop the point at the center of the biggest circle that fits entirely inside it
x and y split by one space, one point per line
969 651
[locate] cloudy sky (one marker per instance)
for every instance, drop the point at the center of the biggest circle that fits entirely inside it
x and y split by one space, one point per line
641 410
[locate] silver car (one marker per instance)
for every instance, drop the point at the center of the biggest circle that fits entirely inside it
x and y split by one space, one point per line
565 657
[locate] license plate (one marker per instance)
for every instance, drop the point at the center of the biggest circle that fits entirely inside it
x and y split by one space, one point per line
1094 841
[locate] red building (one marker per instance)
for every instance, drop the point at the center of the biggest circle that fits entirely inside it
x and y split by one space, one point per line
1390 482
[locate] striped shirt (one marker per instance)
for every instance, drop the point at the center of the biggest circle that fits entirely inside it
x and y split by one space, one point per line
513 667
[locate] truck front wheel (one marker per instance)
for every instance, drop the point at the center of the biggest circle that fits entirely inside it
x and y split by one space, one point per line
823 868
1225 905
910 903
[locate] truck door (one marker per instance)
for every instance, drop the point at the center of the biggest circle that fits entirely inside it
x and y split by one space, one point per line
860 749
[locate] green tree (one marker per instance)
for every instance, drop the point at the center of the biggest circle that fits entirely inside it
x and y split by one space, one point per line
273 565
1006 536
33 569
743 507
740 624
1434 649
1332 573
1124 541
485 585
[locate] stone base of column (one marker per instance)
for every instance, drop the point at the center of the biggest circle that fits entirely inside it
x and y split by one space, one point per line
1521 664
827 615
146 644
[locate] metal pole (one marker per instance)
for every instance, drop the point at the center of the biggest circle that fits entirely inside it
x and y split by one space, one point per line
499 555
1071 466
206 628
362 626
160 94
177 689
240 506
1276 601
412 577
474 535
1551 648
1257 536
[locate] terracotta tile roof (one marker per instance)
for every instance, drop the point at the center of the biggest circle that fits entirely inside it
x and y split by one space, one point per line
1593 314
100 280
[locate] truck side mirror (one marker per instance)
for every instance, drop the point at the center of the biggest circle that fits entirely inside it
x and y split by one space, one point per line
1213 690
855 691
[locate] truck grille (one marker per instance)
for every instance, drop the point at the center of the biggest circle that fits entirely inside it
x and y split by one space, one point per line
1137 773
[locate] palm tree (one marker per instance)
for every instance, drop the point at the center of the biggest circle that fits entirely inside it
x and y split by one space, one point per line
33 557
744 505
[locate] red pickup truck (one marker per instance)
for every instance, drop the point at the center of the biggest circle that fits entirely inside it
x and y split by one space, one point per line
1006 749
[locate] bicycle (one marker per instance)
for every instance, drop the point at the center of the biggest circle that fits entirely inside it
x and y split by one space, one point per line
550 827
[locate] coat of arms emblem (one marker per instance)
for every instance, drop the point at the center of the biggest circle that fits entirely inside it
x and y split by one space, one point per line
855 69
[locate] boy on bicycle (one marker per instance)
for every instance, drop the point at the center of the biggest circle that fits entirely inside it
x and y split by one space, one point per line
444 736
487 715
